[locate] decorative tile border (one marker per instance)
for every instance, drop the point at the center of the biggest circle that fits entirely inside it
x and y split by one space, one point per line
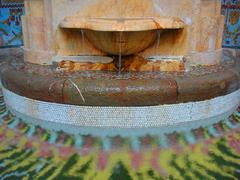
124 117
134 140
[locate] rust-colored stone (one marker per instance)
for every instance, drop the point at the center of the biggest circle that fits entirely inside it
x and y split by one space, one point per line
120 92
44 88
207 86
95 90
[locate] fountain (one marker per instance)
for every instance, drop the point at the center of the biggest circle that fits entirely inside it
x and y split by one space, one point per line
107 67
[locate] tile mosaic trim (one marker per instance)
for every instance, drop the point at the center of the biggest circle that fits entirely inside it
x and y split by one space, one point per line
123 117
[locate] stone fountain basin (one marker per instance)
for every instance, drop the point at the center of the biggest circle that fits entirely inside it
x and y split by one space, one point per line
123 36
108 89
121 43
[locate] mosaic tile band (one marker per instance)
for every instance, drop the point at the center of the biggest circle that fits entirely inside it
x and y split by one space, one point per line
123 117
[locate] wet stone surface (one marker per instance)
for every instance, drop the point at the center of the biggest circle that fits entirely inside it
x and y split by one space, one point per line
102 88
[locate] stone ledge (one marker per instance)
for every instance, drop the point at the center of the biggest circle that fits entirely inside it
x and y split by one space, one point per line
96 89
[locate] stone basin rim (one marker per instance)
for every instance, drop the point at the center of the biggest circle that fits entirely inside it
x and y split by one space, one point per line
120 92
122 24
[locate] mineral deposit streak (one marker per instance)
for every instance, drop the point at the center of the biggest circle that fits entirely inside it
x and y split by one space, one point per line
83 38
158 42
120 52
